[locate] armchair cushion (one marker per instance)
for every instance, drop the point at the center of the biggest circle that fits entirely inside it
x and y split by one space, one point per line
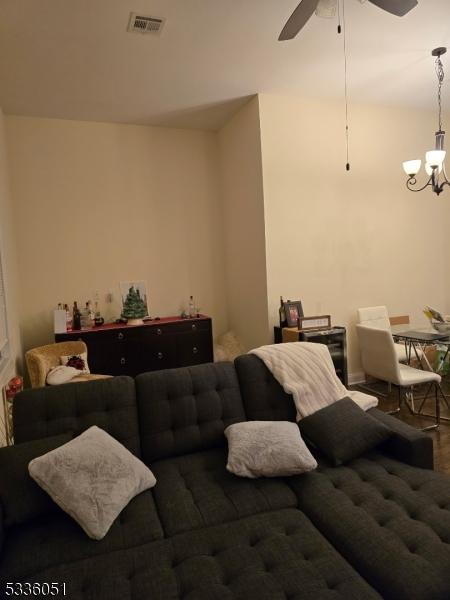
22 499
343 431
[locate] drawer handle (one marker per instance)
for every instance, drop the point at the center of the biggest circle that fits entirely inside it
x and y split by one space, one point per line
194 327
160 355
159 331
122 361
120 336
195 349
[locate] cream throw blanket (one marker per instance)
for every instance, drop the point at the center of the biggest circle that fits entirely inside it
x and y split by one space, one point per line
306 371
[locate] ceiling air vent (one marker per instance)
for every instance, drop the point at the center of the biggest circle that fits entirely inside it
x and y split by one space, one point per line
140 24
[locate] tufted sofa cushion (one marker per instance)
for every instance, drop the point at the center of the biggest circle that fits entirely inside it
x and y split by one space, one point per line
186 410
21 498
263 397
391 521
265 557
107 403
196 490
47 542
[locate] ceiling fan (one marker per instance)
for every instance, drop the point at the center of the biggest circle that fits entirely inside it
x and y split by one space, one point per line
327 8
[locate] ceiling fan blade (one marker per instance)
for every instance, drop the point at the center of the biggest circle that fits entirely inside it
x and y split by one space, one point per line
326 9
298 19
396 7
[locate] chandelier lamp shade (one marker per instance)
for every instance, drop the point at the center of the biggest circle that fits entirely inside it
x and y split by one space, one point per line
434 159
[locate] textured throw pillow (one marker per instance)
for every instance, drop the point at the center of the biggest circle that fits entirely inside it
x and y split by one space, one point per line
343 431
78 361
228 347
61 374
267 449
21 498
92 478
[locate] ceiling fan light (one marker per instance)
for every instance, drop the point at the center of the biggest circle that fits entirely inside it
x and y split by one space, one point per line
435 158
412 167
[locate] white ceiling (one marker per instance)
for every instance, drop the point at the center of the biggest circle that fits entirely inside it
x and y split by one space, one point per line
74 59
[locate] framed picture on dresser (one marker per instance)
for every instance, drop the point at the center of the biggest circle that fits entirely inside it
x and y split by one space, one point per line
293 311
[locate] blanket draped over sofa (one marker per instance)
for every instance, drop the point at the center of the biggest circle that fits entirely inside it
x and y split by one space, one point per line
306 371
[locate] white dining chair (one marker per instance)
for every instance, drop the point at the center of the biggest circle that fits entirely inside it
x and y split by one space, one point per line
378 317
379 359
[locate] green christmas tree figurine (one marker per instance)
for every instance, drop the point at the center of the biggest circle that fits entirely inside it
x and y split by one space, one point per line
134 307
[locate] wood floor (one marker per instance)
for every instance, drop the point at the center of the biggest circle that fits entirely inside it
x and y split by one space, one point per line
441 437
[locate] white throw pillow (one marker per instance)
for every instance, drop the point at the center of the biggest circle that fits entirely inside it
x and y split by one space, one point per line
228 347
61 374
92 478
267 449
82 359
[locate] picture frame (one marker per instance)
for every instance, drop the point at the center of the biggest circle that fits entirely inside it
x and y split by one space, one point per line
293 311
317 322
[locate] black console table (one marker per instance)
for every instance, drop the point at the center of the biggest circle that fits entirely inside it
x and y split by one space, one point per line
119 349
336 340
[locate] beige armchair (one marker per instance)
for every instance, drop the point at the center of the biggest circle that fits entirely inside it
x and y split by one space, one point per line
41 360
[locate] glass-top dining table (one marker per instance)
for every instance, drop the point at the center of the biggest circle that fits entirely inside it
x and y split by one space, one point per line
416 341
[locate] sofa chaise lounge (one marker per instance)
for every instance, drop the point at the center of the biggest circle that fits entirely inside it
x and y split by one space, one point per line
376 527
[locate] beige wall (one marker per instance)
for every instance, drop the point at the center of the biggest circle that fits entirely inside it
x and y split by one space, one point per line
243 216
8 252
99 203
263 208
340 240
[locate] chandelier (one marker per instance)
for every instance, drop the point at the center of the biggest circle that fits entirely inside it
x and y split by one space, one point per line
434 165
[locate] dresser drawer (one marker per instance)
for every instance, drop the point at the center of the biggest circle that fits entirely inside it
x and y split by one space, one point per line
92 336
194 348
162 356
117 364
148 350
106 358
191 326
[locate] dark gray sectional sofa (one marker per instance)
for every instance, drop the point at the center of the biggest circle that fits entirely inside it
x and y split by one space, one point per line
377 527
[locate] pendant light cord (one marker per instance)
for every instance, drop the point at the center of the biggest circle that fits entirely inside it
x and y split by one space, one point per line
440 76
344 30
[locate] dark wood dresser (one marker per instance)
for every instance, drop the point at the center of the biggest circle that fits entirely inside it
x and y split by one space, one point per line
118 349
